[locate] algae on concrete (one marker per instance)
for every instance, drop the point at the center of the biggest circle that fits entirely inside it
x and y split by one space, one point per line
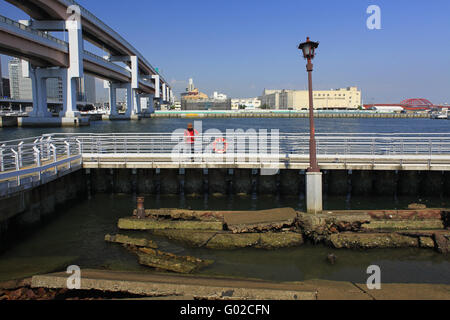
138 242
150 224
171 262
372 240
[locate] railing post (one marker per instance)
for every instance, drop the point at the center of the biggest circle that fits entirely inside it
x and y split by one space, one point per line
55 156
19 150
17 165
2 162
37 159
68 152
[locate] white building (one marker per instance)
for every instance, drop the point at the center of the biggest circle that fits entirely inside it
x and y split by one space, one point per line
248 103
19 85
219 96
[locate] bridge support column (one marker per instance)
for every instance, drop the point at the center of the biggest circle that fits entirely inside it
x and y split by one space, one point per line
113 98
314 202
39 89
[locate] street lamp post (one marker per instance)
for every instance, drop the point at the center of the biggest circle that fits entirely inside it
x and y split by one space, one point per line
313 176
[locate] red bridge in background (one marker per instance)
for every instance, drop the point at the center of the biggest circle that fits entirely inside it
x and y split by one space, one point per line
416 104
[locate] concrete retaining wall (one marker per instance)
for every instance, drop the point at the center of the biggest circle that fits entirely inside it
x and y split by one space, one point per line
286 182
27 208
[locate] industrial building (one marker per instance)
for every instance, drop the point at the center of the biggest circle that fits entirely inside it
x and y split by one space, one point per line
341 99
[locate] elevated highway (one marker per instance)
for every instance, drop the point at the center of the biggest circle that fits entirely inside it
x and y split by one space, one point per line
50 57
94 30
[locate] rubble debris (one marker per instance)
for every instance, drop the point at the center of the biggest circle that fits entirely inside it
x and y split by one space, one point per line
138 242
167 261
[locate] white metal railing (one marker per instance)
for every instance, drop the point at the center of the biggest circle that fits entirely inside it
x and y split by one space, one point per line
289 143
32 156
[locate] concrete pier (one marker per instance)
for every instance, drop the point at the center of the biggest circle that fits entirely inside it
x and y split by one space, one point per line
268 184
409 183
122 181
362 182
27 208
242 181
338 182
385 182
218 181
146 181
169 183
101 180
291 182
433 183
193 182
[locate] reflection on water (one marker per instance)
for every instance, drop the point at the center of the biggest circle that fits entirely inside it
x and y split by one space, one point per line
75 236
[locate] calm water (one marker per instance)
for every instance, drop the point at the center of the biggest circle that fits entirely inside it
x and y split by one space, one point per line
75 235
285 125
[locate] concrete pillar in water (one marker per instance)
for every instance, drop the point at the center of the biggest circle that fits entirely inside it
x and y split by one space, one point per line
385 182
409 183
122 181
242 181
362 182
432 183
267 184
218 181
146 181
314 202
193 181
338 182
169 181
289 182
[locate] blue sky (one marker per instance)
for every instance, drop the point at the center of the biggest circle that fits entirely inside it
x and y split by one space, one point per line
241 47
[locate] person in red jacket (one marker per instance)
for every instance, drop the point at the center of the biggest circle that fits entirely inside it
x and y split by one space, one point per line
190 135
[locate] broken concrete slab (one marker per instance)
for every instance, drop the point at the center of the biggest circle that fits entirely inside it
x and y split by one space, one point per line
442 243
193 238
183 214
351 240
404 225
167 261
138 242
258 221
151 284
150 224
233 241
